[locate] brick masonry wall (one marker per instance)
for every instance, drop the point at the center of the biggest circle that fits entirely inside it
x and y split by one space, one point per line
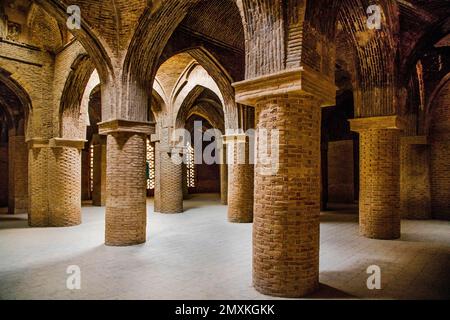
3 175
18 175
287 205
415 197
341 183
126 211
440 155
240 187
379 206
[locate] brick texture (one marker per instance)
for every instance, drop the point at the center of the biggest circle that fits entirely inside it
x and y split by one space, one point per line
415 197
38 215
126 211
18 175
440 155
99 179
287 205
240 186
169 183
4 175
64 187
341 182
224 184
379 207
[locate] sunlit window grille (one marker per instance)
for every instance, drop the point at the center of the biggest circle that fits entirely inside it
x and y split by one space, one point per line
190 166
150 166
91 168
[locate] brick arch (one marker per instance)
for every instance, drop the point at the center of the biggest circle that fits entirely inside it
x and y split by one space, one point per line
141 61
72 95
208 107
432 35
221 77
158 106
376 57
20 98
439 137
287 35
87 37
431 106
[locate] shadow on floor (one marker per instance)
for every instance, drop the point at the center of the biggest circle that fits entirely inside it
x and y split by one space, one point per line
13 221
338 217
327 292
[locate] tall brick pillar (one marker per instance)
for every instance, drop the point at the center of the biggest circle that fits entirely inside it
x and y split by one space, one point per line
224 183
126 210
240 179
99 178
54 182
287 182
379 201
415 192
64 176
18 175
38 215
169 179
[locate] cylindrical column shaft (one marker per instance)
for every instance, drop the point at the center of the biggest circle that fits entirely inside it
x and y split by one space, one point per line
240 181
126 211
287 201
379 205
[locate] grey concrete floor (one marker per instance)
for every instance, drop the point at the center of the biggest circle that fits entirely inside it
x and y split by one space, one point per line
199 255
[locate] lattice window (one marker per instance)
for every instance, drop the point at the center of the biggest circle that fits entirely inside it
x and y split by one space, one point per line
190 166
91 168
150 166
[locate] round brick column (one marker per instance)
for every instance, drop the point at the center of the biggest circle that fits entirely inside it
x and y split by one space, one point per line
65 183
38 214
169 182
379 204
126 211
240 181
287 202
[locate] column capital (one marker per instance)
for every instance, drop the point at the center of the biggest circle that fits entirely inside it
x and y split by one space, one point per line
302 80
37 143
235 137
417 140
384 122
120 125
67 143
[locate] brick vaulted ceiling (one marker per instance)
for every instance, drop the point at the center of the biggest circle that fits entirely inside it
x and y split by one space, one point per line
115 21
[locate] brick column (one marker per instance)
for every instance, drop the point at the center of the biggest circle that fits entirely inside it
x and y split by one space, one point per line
169 181
379 203
224 183
287 198
240 179
415 192
126 209
64 176
38 215
99 179
18 175
54 182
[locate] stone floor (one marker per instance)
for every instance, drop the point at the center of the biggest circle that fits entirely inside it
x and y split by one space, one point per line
198 255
